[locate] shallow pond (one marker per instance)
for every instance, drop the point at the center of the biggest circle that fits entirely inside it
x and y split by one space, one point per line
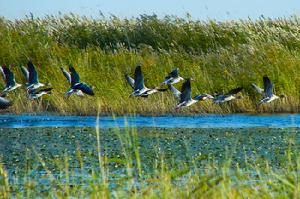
28 142
199 121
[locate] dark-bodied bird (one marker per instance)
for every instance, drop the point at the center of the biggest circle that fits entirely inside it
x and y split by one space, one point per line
68 77
221 98
75 84
173 77
31 76
267 92
185 97
38 92
138 86
9 79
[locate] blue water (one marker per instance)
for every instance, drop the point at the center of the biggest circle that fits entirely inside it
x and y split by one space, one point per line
201 121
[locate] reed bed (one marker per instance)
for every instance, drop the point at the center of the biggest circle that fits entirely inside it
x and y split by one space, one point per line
217 55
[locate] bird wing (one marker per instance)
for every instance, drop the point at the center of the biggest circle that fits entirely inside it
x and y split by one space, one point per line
138 79
175 92
75 79
257 88
3 75
25 72
130 81
33 76
234 91
268 87
66 74
172 74
4 103
44 90
39 90
185 91
9 76
84 88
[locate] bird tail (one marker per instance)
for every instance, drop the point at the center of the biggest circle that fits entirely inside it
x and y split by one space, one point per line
46 90
162 89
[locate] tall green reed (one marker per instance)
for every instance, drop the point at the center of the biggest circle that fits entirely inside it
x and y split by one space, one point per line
218 55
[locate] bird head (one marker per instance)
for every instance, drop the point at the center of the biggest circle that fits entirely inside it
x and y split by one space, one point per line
134 93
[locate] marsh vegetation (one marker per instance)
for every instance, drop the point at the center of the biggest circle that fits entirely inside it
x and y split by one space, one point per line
218 55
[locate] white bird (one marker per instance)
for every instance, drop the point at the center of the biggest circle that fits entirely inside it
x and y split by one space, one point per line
267 92
221 98
185 98
9 79
138 86
173 77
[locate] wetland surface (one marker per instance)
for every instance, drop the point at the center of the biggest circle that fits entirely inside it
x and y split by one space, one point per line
22 147
51 151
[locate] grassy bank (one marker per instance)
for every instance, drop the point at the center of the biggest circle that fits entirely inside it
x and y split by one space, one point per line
149 163
218 55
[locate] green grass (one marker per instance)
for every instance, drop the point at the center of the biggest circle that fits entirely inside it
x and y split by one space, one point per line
218 55
115 166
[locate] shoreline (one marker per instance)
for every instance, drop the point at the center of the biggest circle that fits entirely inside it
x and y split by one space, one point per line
49 113
238 121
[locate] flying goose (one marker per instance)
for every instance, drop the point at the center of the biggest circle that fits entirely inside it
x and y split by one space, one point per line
185 98
75 85
69 79
138 86
9 79
267 92
38 92
221 98
31 76
173 77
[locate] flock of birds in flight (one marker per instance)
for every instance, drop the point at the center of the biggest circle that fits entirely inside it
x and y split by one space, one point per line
185 95
35 89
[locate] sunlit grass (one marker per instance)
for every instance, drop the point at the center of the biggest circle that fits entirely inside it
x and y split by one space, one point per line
218 55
